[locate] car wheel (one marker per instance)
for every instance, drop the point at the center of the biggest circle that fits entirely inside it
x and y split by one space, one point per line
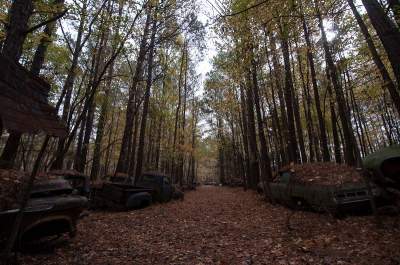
299 204
73 233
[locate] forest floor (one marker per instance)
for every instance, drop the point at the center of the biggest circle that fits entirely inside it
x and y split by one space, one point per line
216 225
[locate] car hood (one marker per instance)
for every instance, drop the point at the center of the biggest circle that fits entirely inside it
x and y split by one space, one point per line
56 203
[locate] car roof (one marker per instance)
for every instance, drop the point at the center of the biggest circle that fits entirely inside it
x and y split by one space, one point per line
155 173
51 185
69 173
375 160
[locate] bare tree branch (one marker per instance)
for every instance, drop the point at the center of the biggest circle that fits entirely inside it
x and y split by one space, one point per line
55 18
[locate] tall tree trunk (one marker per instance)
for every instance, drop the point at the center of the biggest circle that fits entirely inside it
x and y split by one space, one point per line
244 127
293 149
182 140
321 119
335 129
388 33
387 80
132 156
284 117
19 15
352 153
105 104
394 5
123 162
254 176
69 84
100 128
276 123
178 110
265 162
78 164
306 105
97 67
147 94
296 109
221 154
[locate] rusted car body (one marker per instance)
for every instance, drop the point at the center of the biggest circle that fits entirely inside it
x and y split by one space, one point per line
345 198
120 196
160 183
52 210
384 167
79 181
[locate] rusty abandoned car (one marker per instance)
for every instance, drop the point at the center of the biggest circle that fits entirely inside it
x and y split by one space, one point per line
121 192
383 168
79 181
332 188
53 209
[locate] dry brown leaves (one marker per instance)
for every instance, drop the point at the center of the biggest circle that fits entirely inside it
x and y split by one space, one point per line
11 186
321 173
224 226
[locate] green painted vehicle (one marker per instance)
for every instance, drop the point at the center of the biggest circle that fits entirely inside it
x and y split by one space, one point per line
384 167
53 209
344 198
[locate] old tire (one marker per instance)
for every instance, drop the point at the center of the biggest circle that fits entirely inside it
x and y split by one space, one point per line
138 200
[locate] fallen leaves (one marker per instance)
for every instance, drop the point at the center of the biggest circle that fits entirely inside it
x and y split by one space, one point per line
11 187
224 226
324 173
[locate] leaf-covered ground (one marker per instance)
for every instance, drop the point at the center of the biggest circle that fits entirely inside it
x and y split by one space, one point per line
224 226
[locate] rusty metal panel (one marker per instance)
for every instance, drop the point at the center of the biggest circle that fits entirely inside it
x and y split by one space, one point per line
23 101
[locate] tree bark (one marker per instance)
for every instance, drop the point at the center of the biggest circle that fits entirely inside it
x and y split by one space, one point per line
293 149
394 5
244 127
387 80
147 94
254 175
321 119
123 162
284 117
388 33
352 153
69 84
265 162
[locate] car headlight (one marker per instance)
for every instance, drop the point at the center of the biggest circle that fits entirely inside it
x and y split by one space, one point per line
375 192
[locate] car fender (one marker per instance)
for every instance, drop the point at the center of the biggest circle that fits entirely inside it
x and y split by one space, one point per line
139 200
48 220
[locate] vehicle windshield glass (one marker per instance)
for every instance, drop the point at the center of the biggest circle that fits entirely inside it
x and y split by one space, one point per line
391 167
149 178
285 177
118 179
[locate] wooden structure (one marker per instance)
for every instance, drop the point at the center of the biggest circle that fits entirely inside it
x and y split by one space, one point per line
23 101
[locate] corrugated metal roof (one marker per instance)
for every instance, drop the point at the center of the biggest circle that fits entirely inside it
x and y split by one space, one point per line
23 101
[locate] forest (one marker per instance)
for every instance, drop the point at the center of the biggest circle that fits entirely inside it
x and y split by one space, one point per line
210 101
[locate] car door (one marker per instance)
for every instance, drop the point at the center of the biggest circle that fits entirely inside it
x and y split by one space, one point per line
167 189
279 188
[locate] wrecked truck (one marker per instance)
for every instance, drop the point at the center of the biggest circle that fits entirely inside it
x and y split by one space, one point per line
53 209
121 193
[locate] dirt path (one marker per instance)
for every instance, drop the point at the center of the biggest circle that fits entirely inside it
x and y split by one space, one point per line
224 226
